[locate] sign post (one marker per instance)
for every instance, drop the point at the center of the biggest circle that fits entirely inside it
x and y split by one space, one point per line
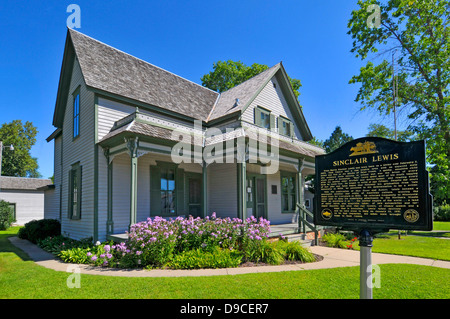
371 185
365 265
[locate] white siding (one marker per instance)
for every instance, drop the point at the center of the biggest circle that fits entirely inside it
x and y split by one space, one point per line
52 196
222 190
271 98
112 111
51 204
121 193
79 150
29 204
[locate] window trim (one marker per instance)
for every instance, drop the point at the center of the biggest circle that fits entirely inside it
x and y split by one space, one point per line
294 191
281 120
75 169
75 95
257 120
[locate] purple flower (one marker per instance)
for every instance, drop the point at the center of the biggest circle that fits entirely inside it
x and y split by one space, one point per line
89 254
109 256
94 258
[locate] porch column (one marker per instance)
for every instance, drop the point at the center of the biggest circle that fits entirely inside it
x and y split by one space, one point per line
133 145
242 189
300 193
109 219
204 189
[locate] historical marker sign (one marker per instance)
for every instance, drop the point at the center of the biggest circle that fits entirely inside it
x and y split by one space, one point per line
374 183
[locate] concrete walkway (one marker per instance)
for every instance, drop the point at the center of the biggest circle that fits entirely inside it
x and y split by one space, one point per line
333 257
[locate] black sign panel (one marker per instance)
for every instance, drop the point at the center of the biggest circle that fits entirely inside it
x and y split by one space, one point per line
373 183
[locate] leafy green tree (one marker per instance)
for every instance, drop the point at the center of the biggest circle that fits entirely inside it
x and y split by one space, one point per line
418 32
336 140
228 74
19 162
315 141
379 130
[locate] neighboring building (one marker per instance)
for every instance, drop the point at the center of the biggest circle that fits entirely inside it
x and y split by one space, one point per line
118 120
25 195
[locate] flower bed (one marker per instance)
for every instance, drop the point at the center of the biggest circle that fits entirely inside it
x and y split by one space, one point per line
190 243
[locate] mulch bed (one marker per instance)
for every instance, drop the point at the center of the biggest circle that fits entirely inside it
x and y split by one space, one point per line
286 262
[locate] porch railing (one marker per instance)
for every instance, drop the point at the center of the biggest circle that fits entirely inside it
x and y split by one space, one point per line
303 222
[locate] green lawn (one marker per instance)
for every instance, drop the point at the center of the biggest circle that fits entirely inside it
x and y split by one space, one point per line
427 245
22 278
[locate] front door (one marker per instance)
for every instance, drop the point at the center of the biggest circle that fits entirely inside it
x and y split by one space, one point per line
194 201
256 196
260 196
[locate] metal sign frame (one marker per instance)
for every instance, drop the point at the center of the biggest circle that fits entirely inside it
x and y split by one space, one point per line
383 184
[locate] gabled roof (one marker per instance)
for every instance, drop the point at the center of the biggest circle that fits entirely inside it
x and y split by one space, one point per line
110 70
119 74
245 92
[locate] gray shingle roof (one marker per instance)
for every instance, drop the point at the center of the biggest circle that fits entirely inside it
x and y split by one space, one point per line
23 183
147 129
108 69
245 92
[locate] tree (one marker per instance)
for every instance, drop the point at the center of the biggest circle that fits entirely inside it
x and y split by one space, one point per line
379 130
19 163
228 74
419 32
315 141
336 140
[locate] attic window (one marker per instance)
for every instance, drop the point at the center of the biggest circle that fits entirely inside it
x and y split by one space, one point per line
264 118
285 127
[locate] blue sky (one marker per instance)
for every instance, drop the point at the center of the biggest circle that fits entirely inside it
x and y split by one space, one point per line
186 38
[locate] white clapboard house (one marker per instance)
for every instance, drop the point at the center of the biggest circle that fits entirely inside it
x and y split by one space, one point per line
134 141
25 197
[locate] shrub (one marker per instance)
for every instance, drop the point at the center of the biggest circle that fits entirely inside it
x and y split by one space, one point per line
265 252
75 255
6 215
36 230
56 244
295 251
198 258
442 213
334 240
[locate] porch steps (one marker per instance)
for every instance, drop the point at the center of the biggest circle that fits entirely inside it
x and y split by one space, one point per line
300 237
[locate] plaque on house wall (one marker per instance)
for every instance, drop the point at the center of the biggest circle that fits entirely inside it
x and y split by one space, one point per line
374 183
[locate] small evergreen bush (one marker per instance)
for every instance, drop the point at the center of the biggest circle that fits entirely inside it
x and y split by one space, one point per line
36 230
6 215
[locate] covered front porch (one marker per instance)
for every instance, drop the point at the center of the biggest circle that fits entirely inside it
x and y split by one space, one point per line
144 179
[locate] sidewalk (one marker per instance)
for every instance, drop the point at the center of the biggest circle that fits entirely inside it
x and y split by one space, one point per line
333 257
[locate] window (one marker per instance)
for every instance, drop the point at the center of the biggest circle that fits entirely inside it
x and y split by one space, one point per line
76 113
264 119
285 127
167 191
288 200
75 192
